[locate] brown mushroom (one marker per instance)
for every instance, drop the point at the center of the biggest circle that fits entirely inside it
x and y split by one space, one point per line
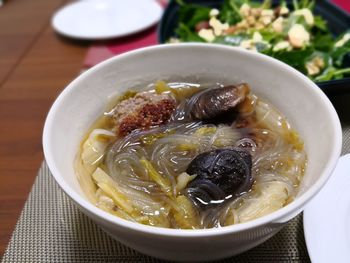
215 102
220 174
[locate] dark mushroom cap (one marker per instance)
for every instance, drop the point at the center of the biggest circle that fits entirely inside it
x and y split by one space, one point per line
215 102
221 174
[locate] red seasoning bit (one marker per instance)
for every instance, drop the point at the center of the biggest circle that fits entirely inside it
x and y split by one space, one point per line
202 25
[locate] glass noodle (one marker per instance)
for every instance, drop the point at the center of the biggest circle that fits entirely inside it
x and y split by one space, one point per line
142 176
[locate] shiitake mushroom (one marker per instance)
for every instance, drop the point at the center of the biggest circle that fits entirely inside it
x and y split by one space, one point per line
221 174
215 102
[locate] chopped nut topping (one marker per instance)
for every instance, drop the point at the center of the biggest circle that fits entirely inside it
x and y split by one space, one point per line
259 25
256 12
277 25
214 12
266 20
247 44
281 45
315 66
312 69
243 25
251 20
319 62
245 10
284 11
298 36
207 34
267 12
217 26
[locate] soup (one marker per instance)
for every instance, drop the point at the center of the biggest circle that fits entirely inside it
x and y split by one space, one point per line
191 156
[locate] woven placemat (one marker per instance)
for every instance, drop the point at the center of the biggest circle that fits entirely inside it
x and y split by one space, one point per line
52 229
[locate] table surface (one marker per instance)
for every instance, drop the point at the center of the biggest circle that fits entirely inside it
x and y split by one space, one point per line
35 65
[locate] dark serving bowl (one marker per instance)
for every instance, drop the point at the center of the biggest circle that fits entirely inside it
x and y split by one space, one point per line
338 22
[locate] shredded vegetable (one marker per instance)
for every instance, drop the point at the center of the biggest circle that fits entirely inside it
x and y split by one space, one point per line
192 173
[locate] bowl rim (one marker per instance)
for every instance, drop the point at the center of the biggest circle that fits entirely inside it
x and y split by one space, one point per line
293 208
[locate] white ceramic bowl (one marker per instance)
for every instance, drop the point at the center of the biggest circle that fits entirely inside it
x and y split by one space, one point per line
299 99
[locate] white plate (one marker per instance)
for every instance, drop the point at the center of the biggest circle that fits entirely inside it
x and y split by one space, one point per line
327 218
103 19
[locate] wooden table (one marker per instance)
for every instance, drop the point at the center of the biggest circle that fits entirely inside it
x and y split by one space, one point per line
35 65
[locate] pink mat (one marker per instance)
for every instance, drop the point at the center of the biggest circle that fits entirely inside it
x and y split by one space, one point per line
99 52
